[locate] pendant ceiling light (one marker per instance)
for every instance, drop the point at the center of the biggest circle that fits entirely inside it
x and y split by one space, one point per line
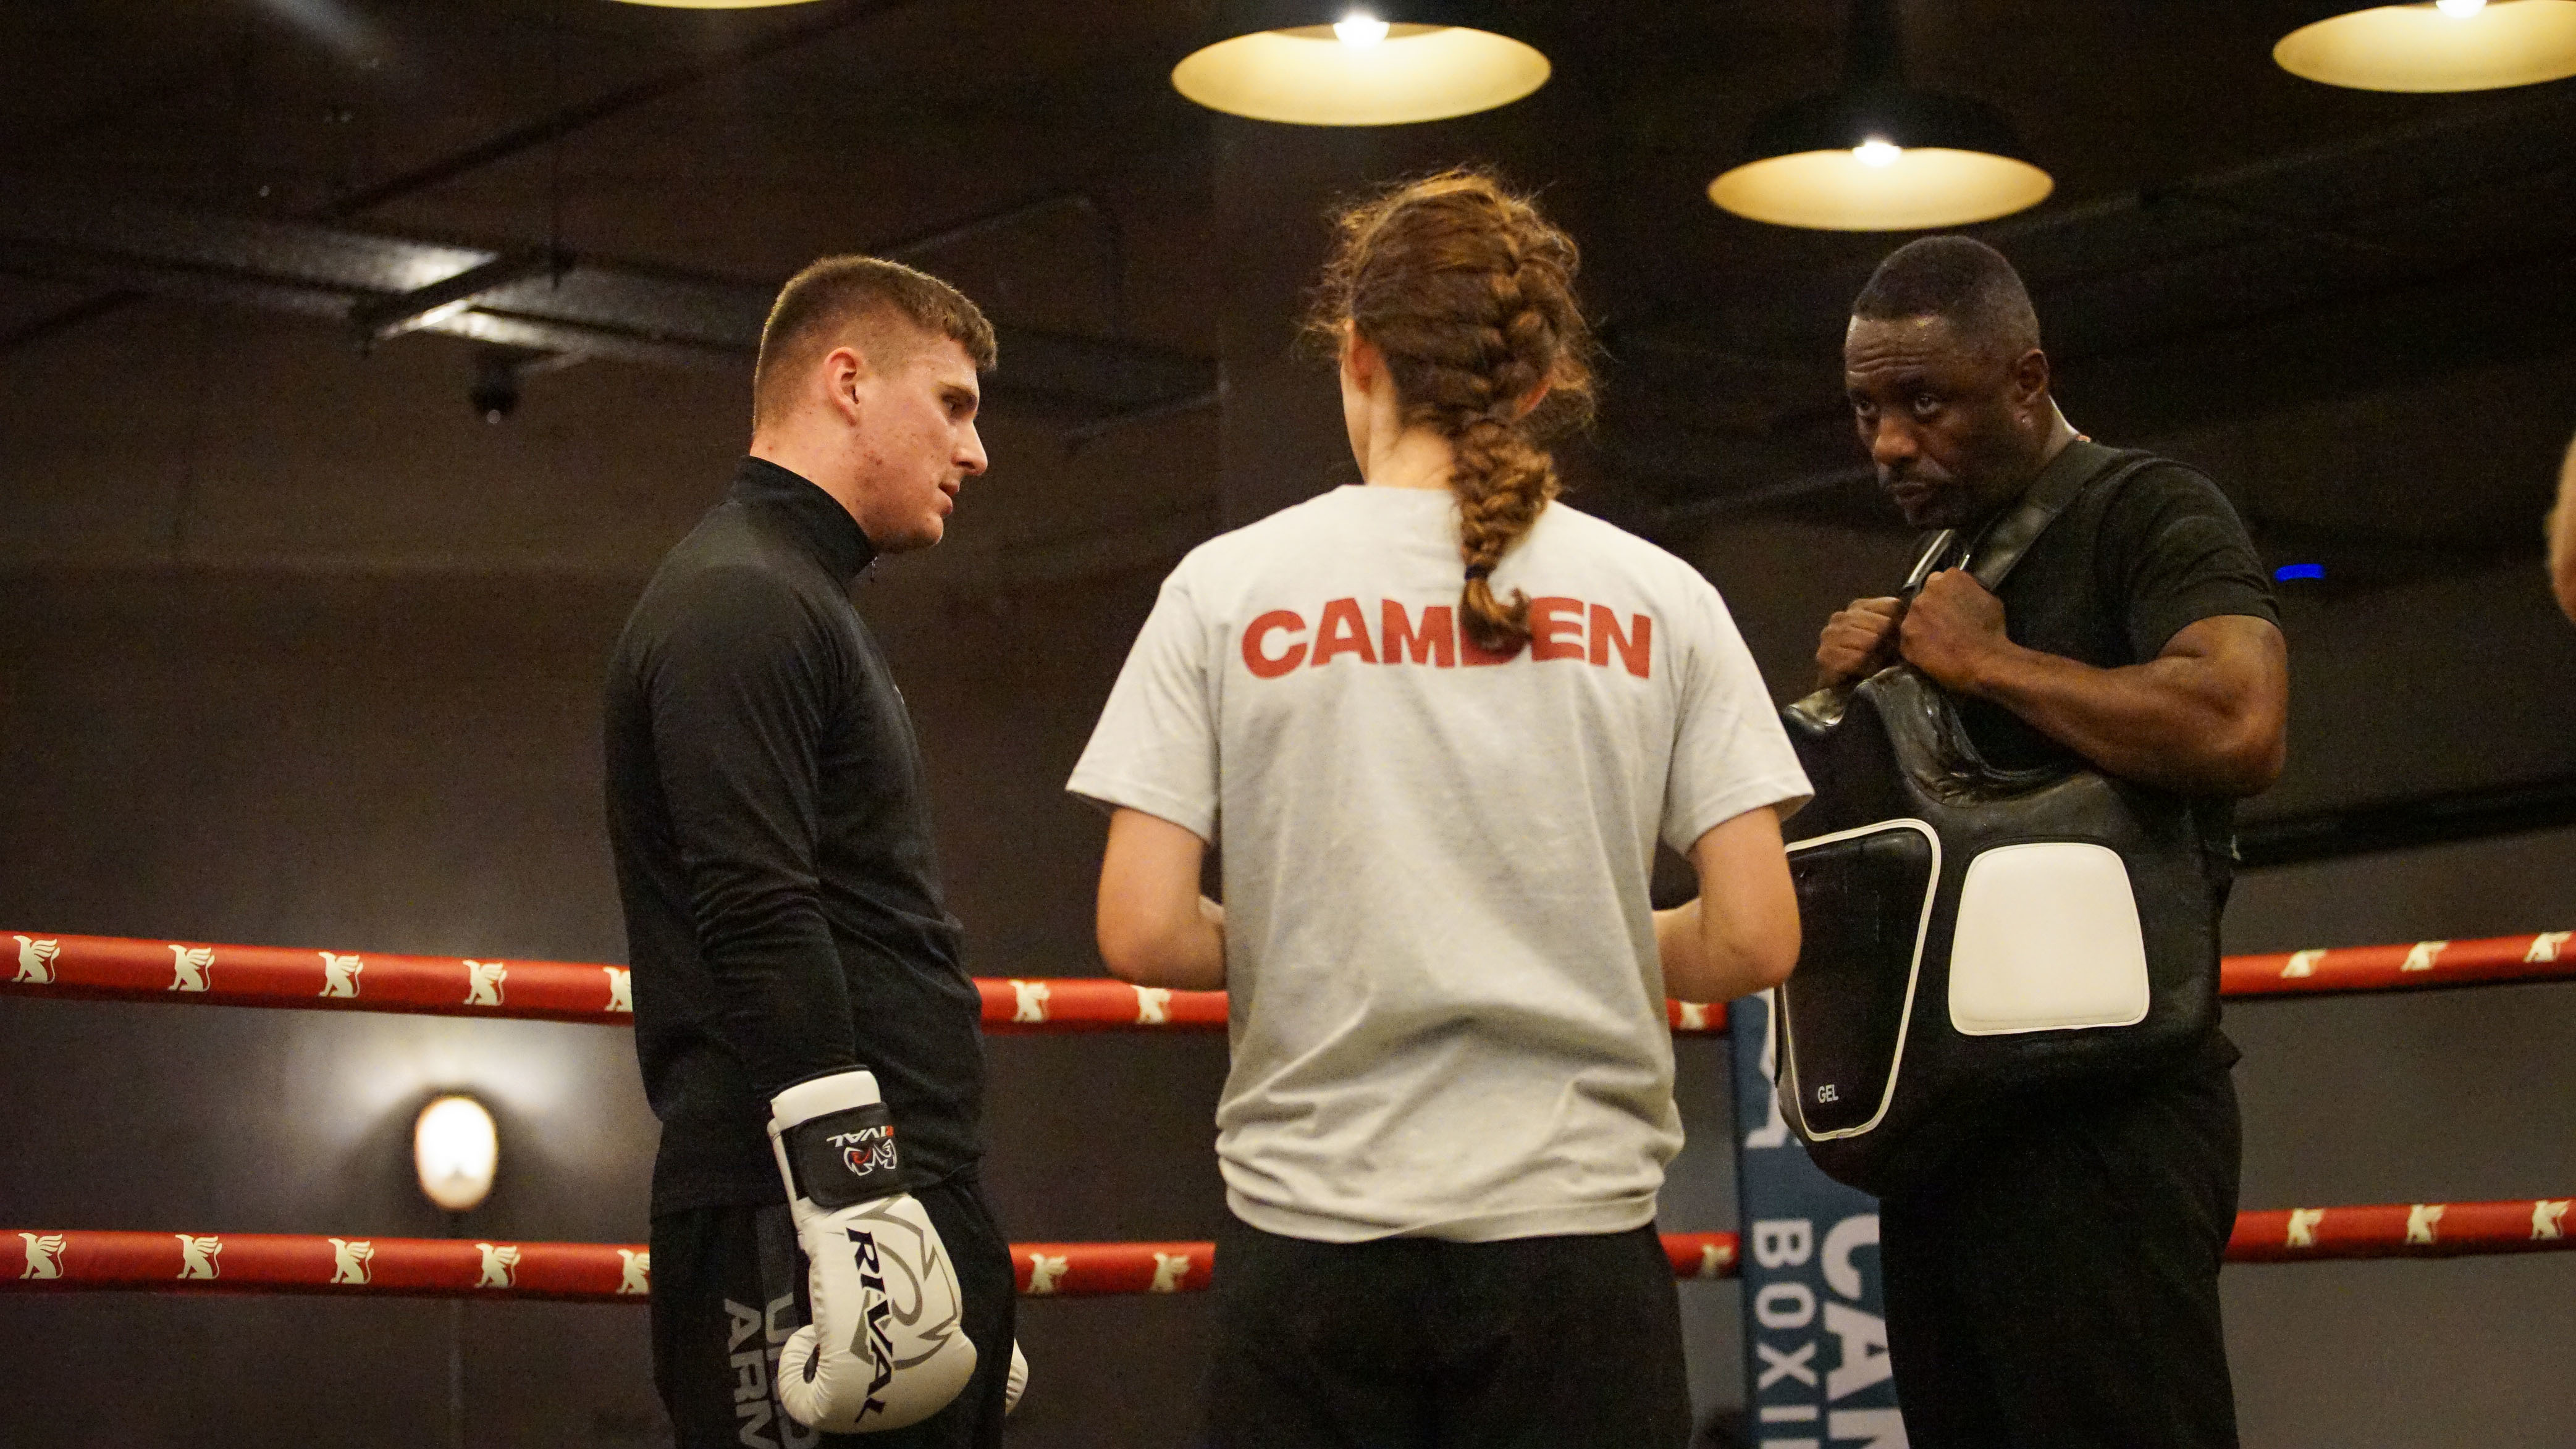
1375 63
1877 156
2455 45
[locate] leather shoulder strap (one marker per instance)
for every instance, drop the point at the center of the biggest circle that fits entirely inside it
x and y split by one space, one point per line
2009 537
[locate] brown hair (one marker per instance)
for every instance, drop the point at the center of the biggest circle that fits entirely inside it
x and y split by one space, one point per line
821 305
1469 293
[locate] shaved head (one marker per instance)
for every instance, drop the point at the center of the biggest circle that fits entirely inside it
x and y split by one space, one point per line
885 309
1960 280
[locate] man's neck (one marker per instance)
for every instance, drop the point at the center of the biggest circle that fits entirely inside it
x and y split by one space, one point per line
810 461
2059 436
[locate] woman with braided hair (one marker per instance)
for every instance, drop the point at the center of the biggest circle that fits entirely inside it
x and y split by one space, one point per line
1443 720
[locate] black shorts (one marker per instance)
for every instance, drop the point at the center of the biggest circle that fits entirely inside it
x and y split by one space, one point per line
729 1287
2058 1284
1410 1343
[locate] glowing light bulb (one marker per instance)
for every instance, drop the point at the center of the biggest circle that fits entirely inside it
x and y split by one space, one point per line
1877 152
2459 9
455 1149
1360 29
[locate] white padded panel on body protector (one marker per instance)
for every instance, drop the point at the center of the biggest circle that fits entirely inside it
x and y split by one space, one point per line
2047 940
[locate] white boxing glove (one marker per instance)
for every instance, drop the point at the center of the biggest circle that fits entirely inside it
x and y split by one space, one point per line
887 1345
1018 1383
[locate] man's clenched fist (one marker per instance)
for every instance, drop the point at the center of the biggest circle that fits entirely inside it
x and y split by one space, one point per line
1858 642
1951 628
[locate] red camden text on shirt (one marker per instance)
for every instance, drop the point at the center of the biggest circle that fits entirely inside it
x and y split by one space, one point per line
1281 640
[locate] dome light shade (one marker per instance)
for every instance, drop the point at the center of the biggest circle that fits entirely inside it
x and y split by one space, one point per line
455 1149
1887 160
1924 188
1354 66
2440 47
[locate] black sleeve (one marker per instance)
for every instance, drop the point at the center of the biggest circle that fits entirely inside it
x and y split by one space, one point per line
739 695
2176 551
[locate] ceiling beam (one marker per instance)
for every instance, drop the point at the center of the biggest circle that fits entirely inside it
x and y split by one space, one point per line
553 126
530 300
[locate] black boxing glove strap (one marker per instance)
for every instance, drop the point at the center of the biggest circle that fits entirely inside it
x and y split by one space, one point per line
844 1157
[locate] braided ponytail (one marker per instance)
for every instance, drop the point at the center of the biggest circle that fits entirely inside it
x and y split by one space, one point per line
1468 292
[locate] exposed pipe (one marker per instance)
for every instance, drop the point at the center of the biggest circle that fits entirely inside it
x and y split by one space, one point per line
509 143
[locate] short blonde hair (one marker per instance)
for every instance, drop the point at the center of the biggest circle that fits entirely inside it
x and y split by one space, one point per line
821 305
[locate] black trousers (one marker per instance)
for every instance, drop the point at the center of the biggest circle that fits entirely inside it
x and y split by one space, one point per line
2057 1286
729 1287
1412 1343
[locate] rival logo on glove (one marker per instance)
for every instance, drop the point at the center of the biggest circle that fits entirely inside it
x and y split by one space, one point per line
868 1151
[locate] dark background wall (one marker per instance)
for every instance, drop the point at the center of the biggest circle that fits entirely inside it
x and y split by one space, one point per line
297 650
219 728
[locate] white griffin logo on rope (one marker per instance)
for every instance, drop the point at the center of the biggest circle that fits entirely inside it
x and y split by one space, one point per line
2423 954
349 1259
2548 1218
500 1265
36 961
2544 947
1045 1271
1031 1000
635 1271
340 974
2303 1227
1169 1270
483 982
197 1256
621 989
44 1255
2423 1222
1153 1006
189 967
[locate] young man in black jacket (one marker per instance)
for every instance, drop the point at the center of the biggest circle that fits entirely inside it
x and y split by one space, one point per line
2056 1282
808 1033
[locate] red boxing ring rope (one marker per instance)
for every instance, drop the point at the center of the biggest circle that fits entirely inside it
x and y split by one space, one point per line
44 1261
113 968
71 1261
118 969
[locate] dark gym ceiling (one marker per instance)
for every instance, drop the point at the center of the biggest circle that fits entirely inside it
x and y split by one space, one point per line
625 182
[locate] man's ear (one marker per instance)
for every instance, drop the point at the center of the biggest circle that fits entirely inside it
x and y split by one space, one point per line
844 369
2030 377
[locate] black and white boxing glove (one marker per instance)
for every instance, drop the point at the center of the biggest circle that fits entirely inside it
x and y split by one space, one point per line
887 1345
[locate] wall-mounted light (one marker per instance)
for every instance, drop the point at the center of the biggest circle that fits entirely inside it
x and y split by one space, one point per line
2451 45
455 1149
1878 156
1358 62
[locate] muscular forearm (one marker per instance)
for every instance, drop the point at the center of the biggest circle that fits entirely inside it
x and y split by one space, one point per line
2161 723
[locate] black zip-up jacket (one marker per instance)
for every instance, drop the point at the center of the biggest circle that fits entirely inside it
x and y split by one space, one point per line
772 834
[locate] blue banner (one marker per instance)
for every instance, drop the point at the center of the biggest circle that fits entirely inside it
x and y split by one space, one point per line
1815 1330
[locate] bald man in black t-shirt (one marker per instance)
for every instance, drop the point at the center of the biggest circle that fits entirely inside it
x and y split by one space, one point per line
2055 1281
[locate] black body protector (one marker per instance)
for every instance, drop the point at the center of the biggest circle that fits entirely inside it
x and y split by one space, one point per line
1972 932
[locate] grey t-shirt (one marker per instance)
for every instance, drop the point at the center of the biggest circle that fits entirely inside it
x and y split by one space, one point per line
1447 1010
